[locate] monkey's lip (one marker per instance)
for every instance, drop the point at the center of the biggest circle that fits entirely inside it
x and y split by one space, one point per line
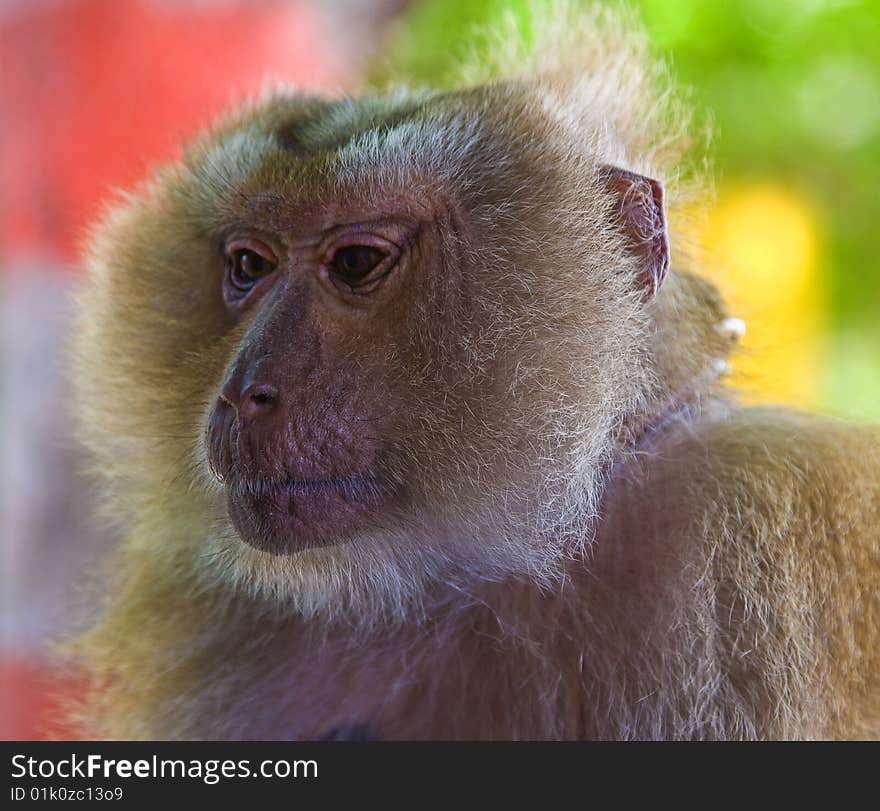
302 486
350 485
290 515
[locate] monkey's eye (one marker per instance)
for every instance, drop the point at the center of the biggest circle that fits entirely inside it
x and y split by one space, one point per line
355 263
246 266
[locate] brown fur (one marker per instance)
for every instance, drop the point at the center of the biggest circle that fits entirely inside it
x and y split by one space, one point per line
597 542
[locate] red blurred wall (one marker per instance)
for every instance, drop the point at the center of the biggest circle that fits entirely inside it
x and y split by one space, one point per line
93 91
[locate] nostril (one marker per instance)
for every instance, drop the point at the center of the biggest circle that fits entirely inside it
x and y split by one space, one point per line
257 399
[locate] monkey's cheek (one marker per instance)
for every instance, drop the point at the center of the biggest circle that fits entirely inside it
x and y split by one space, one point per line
282 523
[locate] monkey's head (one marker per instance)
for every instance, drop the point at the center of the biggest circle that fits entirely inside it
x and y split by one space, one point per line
347 346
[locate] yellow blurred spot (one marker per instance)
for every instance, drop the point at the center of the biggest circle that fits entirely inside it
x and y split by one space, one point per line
761 246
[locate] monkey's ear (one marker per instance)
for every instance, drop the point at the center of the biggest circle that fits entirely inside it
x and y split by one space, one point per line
640 213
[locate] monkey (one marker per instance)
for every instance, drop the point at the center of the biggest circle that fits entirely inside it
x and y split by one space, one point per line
412 410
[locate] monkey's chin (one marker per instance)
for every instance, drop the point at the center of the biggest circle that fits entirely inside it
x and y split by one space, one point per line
290 517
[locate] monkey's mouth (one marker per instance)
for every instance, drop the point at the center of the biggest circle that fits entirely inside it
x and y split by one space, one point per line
288 516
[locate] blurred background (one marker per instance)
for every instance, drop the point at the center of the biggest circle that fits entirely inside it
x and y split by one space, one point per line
92 92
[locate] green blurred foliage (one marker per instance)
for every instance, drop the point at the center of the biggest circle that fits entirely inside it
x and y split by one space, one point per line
792 88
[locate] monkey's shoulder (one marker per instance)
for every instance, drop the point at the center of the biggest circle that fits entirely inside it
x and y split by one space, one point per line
781 512
760 448
756 474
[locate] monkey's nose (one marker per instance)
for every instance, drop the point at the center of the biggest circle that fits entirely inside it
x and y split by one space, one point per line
255 401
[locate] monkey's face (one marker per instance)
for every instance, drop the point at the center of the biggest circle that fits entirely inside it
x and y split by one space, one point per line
304 434
387 334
